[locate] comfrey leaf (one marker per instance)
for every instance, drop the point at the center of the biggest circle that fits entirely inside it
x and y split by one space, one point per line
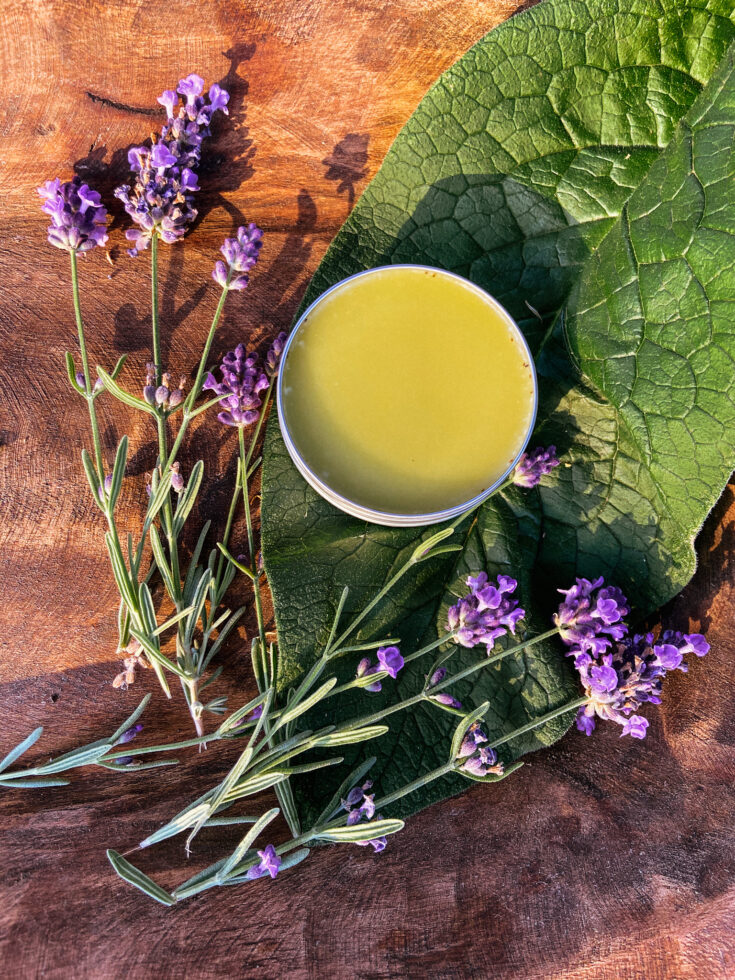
611 217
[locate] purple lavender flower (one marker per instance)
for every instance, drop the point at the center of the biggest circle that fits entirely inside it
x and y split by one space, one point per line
269 864
358 797
177 480
533 465
161 200
273 357
241 254
165 396
591 615
378 844
242 381
485 613
483 762
447 700
673 646
472 741
106 487
619 683
389 659
78 217
437 677
129 734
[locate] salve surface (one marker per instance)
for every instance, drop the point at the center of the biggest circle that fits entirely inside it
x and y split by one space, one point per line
407 391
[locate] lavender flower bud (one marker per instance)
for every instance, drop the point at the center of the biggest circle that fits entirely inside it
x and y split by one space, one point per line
484 763
273 357
389 659
358 797
241 254
242 381
485 613
437 677
78 217
177 480
591 616
160 202
533 465
80 379
446 699
129 735
474 738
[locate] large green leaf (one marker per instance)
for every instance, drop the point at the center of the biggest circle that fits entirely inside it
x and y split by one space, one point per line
578 164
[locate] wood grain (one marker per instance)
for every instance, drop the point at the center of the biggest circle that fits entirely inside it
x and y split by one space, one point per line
601 859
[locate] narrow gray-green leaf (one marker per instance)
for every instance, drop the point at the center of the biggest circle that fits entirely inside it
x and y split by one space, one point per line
128 872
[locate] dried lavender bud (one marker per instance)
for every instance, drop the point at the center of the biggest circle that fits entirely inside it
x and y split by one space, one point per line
485 613
242 381
161 200
591 615
533 465
241 254
78 217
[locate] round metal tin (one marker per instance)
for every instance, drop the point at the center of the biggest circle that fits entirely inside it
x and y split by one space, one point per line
353 507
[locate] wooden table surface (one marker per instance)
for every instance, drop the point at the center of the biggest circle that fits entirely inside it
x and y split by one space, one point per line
601 859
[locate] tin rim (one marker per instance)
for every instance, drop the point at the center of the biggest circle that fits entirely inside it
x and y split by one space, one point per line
353 508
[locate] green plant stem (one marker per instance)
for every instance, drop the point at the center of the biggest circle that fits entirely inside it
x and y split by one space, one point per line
486 661
538 722
425 695
251 546
154 310
85 367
